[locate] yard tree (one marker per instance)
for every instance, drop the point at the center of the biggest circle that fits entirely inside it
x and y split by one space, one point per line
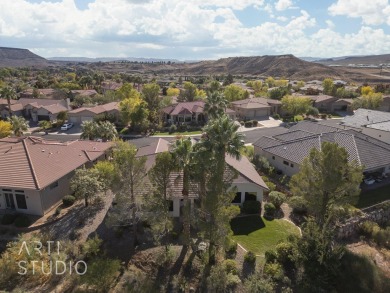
160 199
188 94
220 139
173 92
62 116
86 184
106 131
278 93
106 173
88 130
328 86
366 90
150 94
131 173
9 94
370 101
216 105
234 93
327 179
257 86
5 129
214 86
128 106
45 125
127 91
228 80
19 125
182 153
295 105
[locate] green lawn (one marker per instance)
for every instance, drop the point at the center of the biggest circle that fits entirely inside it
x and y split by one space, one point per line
178 133
371 197
257 234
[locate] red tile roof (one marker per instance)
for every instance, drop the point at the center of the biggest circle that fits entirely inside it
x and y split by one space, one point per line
34 163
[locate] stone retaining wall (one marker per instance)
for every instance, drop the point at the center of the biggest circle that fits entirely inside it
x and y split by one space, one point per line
379 213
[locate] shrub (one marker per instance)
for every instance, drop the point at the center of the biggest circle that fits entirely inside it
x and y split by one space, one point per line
250 257
68 200
255 123
172 129
369 228
231 266
251 207
323 116
22 221
382 238
242 123
277 198
182 127
58 211
330 116
270 256
231 248
298 204
276 116
312 111
274 271
271 185
269 209
298 118
8 219
248 124
284 252
101 273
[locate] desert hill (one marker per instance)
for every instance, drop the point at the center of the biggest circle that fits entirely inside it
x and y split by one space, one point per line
15 57
357 60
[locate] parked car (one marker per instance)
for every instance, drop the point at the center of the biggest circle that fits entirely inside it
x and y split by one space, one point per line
67 126
369 181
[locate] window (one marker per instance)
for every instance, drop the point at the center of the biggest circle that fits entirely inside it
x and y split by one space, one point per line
292 165
237 198
250 196
170 205
53 185
286 163
21 201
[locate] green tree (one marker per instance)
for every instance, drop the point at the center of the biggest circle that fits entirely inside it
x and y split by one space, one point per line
182 154
228 80
127 91
9 94
19 125
62 116
101 273
131 173
86 184
128 107
150 93
326 178
278 93
5 129
234 93
328 86
214 86
160 200
189 92
371 101
219 140
216 105
106 131
89 130
173 92
296 105
45 125
107 174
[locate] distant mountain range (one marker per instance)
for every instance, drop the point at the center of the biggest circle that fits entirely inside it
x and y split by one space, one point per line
287 66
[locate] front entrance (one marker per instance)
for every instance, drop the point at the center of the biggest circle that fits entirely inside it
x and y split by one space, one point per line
9 200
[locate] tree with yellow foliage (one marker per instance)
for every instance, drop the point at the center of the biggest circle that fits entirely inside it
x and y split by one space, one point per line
5 129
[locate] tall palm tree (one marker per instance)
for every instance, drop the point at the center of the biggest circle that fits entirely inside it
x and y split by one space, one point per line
88 130
19 125
216 105
220 138
8 93
182 154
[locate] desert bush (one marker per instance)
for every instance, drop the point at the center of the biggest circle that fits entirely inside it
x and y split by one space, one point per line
68 200
277 198
22 221
298 118
251 207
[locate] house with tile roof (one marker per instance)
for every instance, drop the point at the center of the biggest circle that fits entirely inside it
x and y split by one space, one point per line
287 151
247 182
370 122
79 115
256 108
188 112
35 173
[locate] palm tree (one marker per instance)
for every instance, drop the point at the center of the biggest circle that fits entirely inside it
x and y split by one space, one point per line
216 105
107 131
220 138
182 155
8 93
19 124
89 130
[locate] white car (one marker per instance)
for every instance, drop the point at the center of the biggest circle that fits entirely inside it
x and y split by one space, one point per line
369 181
67 126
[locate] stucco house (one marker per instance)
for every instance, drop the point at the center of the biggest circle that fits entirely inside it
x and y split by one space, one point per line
188 112
370 122
256 108
248 184
287 151
35 173
16 108
325 103
79 115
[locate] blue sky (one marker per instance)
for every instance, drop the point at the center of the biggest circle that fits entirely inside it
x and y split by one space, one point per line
196 29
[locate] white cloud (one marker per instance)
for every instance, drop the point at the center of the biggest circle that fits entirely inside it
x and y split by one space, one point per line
283 5
330 24
173 29
373 12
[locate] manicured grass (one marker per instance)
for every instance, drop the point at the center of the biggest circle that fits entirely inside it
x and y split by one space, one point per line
371 197
258 234
178 133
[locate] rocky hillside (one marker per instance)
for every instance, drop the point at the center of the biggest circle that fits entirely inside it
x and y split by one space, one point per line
14 57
